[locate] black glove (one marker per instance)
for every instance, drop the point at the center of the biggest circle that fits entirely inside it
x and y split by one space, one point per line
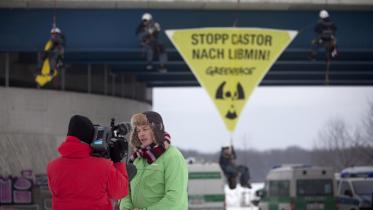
118 151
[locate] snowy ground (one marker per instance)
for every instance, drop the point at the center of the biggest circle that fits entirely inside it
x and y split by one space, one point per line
240 198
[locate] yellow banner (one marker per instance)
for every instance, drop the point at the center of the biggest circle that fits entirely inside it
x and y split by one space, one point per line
230 62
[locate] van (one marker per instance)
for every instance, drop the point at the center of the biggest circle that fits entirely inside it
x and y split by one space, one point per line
355 188
206 187
298 187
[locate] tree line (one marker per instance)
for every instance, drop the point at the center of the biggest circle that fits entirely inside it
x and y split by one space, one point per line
338 145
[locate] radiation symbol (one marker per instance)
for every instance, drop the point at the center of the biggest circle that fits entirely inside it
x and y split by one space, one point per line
231 95
231 113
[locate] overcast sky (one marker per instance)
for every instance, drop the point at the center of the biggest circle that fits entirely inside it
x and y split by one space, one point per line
274 117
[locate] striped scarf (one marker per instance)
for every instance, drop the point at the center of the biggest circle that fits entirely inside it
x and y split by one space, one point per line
151 152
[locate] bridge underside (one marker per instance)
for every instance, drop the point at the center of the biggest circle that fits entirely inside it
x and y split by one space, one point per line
107 38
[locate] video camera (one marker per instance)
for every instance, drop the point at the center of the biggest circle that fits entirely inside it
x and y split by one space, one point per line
106 138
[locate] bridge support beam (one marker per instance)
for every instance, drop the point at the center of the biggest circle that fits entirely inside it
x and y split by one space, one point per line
113 84
89 78
105 79
7 69
63 78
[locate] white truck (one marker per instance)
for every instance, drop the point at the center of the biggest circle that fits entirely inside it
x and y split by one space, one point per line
355 188
298 187
206 187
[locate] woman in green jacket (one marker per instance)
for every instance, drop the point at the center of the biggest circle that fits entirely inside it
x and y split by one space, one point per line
162 175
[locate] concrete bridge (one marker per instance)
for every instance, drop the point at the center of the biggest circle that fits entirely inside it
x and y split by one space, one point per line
106 66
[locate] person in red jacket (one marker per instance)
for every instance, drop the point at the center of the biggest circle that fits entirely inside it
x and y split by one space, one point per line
79 181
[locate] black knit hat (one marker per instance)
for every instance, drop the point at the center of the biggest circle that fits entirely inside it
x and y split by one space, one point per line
82 128
154 120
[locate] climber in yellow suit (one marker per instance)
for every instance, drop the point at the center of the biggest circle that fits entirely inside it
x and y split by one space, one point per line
51 57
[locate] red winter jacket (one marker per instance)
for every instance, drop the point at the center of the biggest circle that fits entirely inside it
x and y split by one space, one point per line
79 181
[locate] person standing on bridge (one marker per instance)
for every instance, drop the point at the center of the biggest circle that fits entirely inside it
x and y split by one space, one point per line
162 174
148 33
325 30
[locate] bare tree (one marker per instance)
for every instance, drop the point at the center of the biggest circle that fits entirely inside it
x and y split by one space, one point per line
342 146
365 134
334 144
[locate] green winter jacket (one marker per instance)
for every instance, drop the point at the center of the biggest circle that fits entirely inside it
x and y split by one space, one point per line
159 186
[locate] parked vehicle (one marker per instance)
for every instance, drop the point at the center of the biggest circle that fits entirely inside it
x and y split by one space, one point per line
355 188
298 187
206 187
